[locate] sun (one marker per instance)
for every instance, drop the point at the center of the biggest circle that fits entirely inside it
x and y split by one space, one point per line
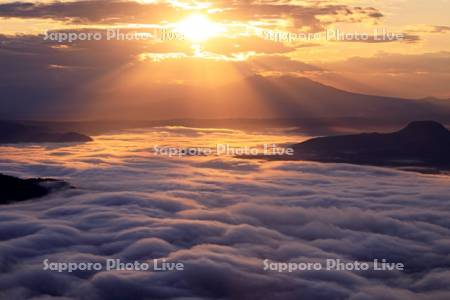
198 28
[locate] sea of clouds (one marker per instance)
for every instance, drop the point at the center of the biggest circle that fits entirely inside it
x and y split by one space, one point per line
221 217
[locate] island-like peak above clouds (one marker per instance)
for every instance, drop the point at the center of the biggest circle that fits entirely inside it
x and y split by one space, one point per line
425 129
422 146
16 132
423 143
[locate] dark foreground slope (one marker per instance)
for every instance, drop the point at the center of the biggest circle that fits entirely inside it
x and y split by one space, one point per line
14 189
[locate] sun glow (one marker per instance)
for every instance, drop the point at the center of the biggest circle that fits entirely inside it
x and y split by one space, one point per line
198 28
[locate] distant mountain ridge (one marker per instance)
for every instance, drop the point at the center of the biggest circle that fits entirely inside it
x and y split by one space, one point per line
280 97
16 132
420 146
301 97
423 143
254 97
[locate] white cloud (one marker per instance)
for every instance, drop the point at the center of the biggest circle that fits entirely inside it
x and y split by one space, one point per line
221 217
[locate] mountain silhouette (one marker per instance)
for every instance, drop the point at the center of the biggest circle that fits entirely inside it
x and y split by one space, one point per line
254 97
287 97
422 143
16 132
300 97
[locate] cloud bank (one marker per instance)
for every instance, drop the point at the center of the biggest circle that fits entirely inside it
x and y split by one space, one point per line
221 217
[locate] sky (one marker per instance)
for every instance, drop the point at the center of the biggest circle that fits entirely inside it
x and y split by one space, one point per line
213 43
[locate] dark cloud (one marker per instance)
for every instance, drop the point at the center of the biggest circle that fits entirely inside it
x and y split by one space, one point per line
100 11
421 29
310 17
92 11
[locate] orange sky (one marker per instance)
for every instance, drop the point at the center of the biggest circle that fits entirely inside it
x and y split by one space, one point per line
221 34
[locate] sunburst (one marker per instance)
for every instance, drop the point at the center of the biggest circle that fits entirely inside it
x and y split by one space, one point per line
198 28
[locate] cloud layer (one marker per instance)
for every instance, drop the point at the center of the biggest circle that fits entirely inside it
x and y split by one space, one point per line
221 217
307 15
